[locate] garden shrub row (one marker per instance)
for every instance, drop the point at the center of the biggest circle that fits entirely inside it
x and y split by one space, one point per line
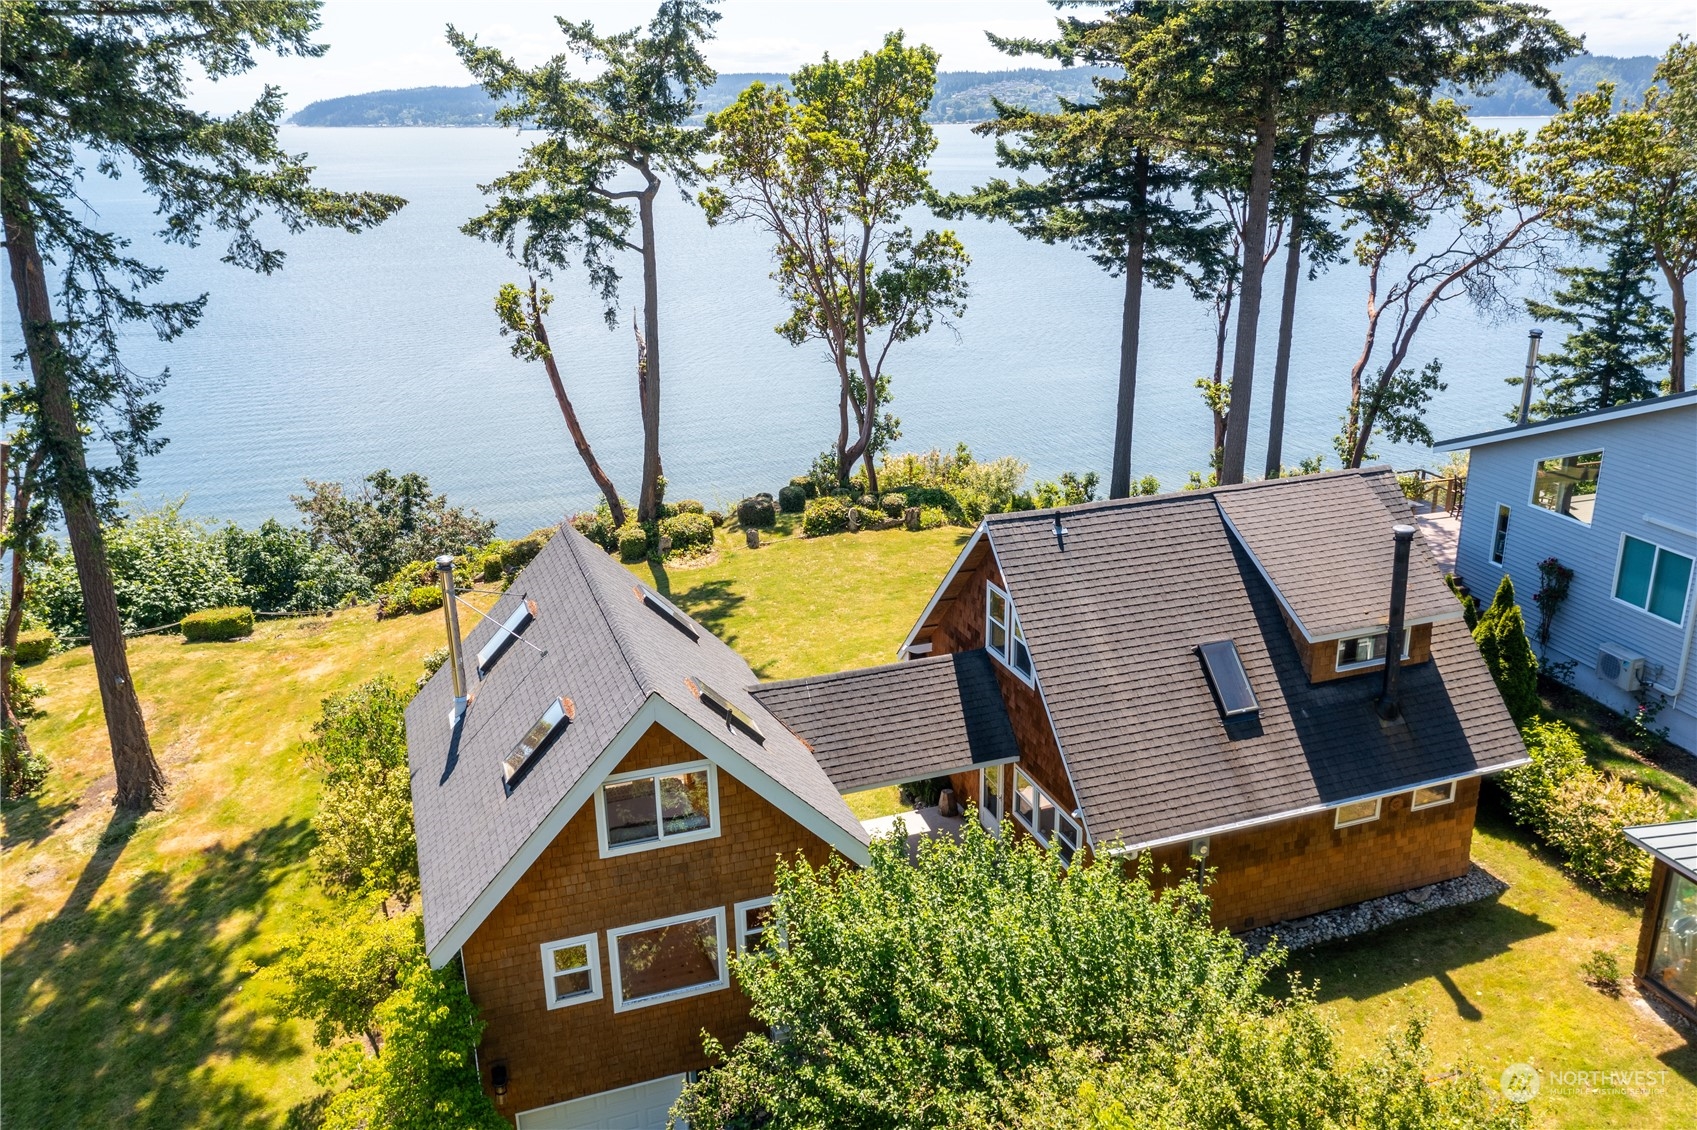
34 645
217 624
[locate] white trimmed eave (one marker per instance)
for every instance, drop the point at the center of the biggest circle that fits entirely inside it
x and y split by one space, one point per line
1502 435
656 710
948 579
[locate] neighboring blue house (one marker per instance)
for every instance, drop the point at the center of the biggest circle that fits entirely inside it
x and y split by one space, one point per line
1612 495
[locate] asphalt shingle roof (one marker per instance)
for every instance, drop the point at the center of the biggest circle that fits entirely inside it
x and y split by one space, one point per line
598 643
902 722
1113 621
1300 530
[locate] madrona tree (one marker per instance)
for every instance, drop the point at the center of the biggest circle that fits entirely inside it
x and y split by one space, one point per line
104 87
612 111
828 168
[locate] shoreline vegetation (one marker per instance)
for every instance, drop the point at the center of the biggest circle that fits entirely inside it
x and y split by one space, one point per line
962 97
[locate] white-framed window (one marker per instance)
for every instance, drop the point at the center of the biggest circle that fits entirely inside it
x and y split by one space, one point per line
571 971
1368 650
1431 796
1002 633
990 800
751 917
668 959
1499 537
654 808
1044 818
1356 812
1652 579
1567 485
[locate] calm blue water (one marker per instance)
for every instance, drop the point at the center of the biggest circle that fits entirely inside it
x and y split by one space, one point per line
381 350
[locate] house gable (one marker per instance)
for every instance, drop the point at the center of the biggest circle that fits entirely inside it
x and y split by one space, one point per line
570 890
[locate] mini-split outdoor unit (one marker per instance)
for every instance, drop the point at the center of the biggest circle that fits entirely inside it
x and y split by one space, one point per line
1623 668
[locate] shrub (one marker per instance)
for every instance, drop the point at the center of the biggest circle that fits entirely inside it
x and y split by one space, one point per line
931 517
364 820
281 571
824 516
869 518
792 499
597 526
757 512
633 543
388 519
344 964
22 769
893 505
809 488
1530 791
688 506
1602 970
717 517
522 552
425 598
1501 636
688 530
1070 491
491 567
34 645
433 661
211 624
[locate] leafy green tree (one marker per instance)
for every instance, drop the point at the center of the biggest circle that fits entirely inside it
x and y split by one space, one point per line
1638 166
107 83
280 570
1619 332
364 822
342 965
1104 188
389 521
1501 636
828 168
426 1076
626 110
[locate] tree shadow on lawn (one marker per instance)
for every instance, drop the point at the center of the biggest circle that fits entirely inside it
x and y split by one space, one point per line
1431 945
30 820
114 1014
709 603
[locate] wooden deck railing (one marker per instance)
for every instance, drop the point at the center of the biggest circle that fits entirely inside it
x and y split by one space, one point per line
1440 492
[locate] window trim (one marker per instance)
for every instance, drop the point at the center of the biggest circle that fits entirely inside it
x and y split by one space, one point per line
1337 813
1039 793
741 909
1414 804
1532 496
1029 678
608 851
1362 665
992 821
1499 534
592 951
620 1004
1614 582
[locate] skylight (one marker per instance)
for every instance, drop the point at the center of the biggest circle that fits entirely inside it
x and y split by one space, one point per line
505 634
728 710
558 711
1226 677
671 615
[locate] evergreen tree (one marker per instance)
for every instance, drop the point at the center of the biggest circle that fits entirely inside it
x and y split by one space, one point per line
1620 332
1501 636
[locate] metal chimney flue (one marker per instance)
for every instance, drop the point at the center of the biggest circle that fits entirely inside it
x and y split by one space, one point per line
1389 708
450 612
1533 337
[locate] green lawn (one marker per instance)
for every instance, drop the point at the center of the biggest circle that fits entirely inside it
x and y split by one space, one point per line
124 944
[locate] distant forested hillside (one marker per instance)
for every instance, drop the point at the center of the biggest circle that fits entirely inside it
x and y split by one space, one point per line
962 96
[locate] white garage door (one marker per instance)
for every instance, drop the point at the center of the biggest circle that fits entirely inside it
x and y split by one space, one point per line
642 1107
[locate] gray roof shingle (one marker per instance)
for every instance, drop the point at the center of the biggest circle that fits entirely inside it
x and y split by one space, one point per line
901 722
1299 531
1113 621
597 643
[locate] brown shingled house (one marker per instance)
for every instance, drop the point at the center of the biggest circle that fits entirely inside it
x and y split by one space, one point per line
1197 675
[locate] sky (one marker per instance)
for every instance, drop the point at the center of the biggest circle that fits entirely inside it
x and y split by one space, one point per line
385 44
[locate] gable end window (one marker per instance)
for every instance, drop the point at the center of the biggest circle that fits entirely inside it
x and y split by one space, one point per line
656 808
751 918
1002 634
1567 485
668 959
571 971
1044 818
1356 812
1653 579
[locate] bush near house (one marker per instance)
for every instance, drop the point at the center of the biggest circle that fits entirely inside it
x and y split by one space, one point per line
757 512
364 819
792 499
689 530
217 624
34 645
633 543
828 515
1501 636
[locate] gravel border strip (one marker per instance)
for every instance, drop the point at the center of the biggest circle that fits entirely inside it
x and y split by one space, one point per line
1363 917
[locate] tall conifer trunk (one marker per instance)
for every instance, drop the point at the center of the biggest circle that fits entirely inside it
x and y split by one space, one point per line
648 502
1249 295
1287 322
1119 480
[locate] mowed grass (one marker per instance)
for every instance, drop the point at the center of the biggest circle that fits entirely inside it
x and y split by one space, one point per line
122 986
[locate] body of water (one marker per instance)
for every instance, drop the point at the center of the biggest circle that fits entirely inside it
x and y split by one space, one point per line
382 350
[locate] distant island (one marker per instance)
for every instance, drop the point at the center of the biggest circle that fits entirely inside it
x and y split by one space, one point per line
962 96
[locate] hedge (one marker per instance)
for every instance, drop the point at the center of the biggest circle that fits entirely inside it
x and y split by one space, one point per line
757 512
792 499
598 528
425 598
893 505
809 488
492 567
824 516
34 645
688 529
217 624
522 552
633 543
688 506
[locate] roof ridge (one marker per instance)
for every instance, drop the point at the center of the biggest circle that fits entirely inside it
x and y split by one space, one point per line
1185 495
851 672
643 684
